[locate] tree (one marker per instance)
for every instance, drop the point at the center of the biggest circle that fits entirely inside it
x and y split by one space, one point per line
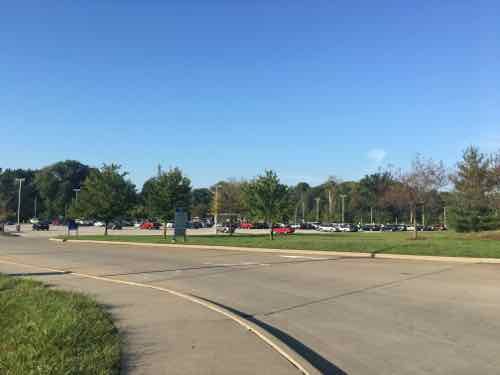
267 199
105 195
475 189
9 189
170 190
55 185
425 177
201 200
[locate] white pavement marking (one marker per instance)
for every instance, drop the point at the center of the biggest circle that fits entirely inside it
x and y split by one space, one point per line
261 334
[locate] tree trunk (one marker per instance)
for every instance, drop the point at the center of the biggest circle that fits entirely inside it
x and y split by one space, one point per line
271 234
164 230
105 228
415 232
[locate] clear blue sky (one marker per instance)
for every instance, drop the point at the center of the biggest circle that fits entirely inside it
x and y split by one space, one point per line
229 88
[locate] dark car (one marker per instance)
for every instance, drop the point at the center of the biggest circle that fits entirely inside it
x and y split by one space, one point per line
115 226
41 225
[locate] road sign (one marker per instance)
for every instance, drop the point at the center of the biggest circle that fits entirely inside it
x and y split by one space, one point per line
180 222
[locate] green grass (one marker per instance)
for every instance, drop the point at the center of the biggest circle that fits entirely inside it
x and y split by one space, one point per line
45 331
484 245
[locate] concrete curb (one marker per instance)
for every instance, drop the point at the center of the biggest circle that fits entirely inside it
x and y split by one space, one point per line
295 359
299 252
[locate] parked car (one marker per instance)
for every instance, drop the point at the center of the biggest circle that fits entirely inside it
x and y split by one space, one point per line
283 230
170 225
41 225
371 228
195 225
295 226
34 220
440 227
347 228
115 226
150 225
327 228
246 226
99 224
308 226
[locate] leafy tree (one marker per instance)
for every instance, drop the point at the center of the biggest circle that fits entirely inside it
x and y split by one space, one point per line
201 202
9 189
267 198
105 195
425 177
55 185
170 190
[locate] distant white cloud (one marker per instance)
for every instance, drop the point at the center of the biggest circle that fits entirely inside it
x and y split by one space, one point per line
377 155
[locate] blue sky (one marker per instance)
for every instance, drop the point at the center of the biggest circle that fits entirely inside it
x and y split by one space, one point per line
228 88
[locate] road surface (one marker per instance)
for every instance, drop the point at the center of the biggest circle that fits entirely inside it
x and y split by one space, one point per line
339 314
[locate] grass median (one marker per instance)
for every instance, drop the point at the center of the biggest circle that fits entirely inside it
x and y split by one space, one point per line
481 245
46 331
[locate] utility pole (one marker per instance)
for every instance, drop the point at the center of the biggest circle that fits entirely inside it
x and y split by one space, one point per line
423 215
18 227
330 203
371 215
296 210
216 207
76 194
342 196
317 207
444 216
35 206
303 211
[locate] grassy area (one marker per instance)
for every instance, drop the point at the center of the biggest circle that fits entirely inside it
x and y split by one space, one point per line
486 245
45 331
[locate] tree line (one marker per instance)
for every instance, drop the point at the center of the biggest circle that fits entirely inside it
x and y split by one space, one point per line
466 198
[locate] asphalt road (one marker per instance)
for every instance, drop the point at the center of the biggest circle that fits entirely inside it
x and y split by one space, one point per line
340 314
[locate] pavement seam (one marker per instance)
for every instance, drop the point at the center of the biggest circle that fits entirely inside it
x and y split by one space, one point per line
261 334
433 258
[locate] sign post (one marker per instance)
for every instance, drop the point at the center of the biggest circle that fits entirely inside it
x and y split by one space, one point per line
180 224
72 225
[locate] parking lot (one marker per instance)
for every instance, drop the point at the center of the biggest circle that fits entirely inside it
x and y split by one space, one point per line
341 314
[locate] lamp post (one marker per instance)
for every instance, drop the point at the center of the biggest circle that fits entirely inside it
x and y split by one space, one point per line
317 207
76 190
342 196
18 226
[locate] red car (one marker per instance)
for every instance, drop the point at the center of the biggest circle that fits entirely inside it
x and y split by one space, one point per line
283 230
246 225
149 225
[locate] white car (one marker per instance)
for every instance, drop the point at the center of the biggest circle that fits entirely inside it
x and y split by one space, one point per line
98 224
327 228
34 220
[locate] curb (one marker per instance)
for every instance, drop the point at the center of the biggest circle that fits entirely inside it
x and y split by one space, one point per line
295 359
434 258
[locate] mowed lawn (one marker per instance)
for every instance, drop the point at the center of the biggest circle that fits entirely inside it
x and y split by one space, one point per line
485 245
46 331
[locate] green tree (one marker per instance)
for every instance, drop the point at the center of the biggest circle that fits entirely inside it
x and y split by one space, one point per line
55 185
105 195
170 190
9 189
267 198
201 201
475 184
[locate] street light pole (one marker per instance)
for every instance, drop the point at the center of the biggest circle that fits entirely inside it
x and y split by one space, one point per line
76 194
18 227
216 206
343 207
317 207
